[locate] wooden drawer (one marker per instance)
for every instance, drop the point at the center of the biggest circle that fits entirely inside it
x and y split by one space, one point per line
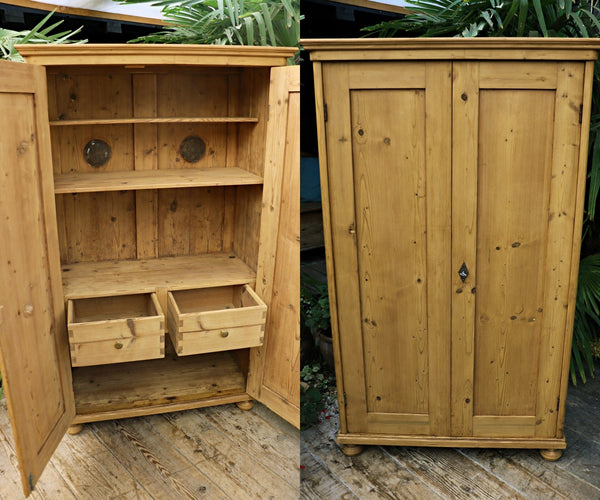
215 319
105 330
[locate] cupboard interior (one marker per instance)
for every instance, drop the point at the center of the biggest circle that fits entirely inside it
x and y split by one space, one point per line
158 180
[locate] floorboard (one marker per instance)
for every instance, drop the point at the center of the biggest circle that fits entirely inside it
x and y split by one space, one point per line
210 453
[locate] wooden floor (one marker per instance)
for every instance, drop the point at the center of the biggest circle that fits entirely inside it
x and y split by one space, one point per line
211 453
422 473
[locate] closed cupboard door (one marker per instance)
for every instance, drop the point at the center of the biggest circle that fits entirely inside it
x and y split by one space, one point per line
516 138
34 349
388 175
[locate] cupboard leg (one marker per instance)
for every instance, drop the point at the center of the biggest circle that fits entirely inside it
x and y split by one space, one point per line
245 405
74 429
551 455
351 450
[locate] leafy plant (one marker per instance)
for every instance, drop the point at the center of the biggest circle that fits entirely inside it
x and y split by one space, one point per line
556 18
315 389
39 34
227 22
315 308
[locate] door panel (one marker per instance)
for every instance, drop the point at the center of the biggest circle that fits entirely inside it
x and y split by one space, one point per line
34 349
388 161
274 377
509 317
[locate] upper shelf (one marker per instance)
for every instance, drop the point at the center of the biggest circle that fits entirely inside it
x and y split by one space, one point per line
121 121
153 179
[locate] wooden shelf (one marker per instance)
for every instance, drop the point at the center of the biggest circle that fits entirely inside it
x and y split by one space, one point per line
102 279
153 179
144 385
125 121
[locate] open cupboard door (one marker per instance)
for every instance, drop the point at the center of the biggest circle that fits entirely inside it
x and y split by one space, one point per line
34 358
276 382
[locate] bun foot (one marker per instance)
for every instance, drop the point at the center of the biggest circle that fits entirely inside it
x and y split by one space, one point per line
245 405
351 450
74 429
551 455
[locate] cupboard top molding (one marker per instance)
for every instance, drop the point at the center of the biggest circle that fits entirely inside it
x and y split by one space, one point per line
141 55
350 49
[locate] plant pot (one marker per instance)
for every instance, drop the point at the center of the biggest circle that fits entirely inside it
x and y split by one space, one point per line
326 348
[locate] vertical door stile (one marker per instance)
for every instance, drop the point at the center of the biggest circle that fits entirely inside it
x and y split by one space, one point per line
465 118
562 207
438 82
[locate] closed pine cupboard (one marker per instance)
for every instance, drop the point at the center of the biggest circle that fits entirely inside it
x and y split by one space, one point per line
453 177
149 250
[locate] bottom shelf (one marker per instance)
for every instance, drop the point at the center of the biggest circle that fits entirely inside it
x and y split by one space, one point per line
144 387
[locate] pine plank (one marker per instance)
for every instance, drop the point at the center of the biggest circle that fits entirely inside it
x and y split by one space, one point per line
121 121
370 475
277 450
153 383
143 179
318 482
100 279
526 472
450 473
152 460
223 459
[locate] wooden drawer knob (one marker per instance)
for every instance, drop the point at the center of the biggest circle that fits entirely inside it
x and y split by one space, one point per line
118 345
224 333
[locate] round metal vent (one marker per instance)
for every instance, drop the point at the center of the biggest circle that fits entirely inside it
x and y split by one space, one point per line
97 153
192 149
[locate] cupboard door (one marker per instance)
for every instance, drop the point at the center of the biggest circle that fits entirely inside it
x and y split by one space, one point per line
34 358
516 136
274 377
387 171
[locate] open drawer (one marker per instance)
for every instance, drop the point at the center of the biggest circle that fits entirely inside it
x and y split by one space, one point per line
215 319
105 330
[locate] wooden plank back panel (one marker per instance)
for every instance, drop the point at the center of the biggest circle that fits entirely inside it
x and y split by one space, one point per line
34 348
247 218
171 135
515 150
97 226
190 221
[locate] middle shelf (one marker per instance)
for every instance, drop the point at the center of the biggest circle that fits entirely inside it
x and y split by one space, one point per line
110 278
130 180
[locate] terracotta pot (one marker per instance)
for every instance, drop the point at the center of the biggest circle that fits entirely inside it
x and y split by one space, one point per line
326 348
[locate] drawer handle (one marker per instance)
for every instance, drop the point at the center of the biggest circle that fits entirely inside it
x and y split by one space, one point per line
224 333
118 345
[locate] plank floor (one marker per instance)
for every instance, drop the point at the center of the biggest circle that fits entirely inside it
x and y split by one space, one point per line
220 452
388 472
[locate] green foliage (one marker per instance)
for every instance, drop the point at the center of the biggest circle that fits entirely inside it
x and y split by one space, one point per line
468 18
315 389
227 22
532 18
314 307
39 34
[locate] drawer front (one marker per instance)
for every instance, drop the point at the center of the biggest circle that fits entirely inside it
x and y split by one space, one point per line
106 352
220 340
107 330
194 328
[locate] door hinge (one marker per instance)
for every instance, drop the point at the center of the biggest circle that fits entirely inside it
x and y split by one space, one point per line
580 113
325 112
557 403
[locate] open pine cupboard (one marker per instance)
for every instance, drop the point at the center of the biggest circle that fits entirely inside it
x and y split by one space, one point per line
149 220
453 176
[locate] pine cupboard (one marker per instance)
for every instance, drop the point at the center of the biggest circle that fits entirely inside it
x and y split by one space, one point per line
453 176
149 251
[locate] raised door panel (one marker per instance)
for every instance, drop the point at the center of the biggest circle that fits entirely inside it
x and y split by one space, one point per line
388 178
33 342
515 171
274 376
